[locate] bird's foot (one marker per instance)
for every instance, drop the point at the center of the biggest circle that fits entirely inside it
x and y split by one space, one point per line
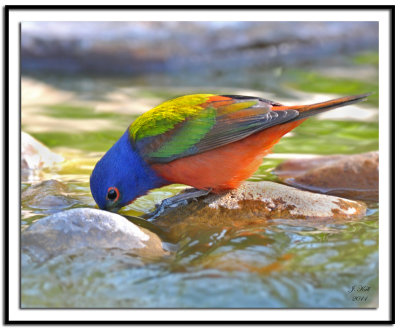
175 201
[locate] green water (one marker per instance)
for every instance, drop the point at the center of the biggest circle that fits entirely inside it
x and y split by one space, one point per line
282 263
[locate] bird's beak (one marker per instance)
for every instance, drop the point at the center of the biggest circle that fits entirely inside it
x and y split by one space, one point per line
112 208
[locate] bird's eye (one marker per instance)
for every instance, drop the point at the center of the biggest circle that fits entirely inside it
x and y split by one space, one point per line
112 194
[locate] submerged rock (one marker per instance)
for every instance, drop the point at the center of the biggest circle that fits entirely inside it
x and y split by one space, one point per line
50 195
35 156
76 230
351 176
259 201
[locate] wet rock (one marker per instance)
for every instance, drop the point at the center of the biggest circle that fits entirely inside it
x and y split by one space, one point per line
50 195
256 202
35 156
76 230
350 176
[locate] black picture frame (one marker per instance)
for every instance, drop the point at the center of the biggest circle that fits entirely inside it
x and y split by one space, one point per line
11 8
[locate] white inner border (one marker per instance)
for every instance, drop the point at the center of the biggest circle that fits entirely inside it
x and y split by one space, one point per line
382 313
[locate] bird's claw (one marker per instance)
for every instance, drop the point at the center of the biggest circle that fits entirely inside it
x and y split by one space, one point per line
161 208
175 201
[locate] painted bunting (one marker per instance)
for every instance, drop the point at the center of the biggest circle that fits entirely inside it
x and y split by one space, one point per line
210 142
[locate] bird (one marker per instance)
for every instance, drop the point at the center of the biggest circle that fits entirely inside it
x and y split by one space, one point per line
207 141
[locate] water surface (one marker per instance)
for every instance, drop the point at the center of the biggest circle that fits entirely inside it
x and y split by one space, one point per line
281 263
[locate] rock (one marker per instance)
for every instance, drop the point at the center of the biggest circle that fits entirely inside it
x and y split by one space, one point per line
140 47
351 176
35 156
256 202
50 195
76 230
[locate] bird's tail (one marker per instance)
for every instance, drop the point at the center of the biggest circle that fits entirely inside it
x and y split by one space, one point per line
313 109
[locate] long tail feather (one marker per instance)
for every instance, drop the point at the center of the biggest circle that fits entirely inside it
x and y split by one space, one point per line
313 109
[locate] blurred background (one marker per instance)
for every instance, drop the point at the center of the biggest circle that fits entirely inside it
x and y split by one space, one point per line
137 48
100 69
83 83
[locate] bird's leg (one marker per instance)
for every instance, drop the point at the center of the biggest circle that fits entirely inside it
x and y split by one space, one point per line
177 200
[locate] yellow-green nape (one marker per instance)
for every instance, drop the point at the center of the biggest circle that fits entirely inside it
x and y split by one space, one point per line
166 115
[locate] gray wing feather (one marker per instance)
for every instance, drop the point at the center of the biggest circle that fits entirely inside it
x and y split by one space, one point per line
226 131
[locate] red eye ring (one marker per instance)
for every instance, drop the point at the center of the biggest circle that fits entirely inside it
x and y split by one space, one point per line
112 194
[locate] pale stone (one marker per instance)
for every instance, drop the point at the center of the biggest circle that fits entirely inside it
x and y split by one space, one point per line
78 229
35 155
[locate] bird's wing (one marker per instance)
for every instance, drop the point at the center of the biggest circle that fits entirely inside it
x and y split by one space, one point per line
194 124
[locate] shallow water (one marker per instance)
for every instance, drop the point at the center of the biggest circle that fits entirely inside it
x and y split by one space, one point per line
282 263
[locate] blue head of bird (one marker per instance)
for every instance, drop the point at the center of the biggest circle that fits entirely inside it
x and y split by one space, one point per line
121 176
